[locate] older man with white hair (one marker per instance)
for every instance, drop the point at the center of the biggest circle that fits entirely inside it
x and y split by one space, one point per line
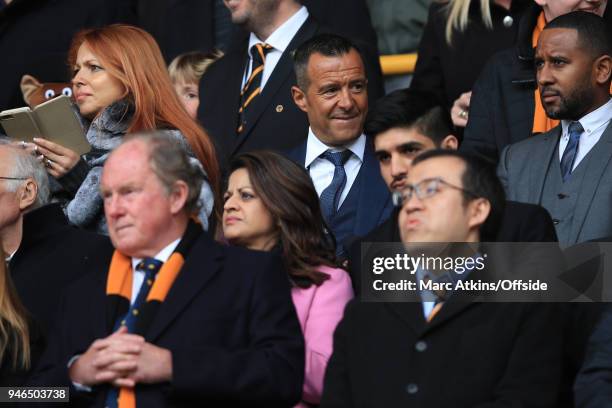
173 318
45 253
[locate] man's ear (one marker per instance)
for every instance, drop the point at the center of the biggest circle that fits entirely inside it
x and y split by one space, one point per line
299 98
478 211
178 196
603 69
450 142
27 194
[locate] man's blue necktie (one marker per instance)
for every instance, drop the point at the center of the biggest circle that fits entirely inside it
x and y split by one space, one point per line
330 197
150 266
571 150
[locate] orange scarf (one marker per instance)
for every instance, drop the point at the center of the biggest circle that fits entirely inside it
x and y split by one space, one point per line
120 283
119 286
541 122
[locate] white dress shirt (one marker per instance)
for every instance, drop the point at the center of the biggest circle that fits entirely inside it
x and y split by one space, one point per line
594 124
279 40
139 275
322 170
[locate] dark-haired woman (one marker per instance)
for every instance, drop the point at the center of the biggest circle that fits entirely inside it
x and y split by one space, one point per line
271 204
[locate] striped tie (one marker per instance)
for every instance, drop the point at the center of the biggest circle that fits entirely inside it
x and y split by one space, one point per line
252 87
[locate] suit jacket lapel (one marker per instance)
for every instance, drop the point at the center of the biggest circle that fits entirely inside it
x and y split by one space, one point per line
457 302
374 195
194 275
597 164
410 313
298 154
283 69
451 308
237 60
544 150
102 304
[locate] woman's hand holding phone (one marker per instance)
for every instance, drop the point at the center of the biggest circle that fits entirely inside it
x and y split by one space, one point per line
58 159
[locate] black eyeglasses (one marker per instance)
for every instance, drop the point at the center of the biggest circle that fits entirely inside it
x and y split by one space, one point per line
424 189
13 178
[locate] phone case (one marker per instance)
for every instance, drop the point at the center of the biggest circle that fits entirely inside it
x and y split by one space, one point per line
59 122
54 120
19 124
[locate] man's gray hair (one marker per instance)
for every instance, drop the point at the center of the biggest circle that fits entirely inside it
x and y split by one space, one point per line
26 166
170 163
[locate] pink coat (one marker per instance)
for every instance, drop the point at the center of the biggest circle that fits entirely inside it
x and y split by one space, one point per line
319 309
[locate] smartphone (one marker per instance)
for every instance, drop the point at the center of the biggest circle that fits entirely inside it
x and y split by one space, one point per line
19 124
55 120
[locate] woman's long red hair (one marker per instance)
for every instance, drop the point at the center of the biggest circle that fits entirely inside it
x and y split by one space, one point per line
131 55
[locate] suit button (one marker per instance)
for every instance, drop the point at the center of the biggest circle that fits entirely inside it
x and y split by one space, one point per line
412 389
556 221
420 346
561 196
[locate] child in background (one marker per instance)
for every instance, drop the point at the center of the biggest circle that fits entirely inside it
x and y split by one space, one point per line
185 71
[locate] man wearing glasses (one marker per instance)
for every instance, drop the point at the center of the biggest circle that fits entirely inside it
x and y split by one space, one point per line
458 353
403 125
45 254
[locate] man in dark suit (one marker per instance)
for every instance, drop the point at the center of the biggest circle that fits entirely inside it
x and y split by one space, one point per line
503 104
246 95
181 26
568 169
45 253
406 123
154 326
453 351
331 90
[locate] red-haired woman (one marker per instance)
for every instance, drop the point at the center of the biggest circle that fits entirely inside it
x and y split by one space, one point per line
121 86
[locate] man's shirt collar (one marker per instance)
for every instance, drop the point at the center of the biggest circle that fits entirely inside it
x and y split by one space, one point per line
315 148
594 120
162 255
282 36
